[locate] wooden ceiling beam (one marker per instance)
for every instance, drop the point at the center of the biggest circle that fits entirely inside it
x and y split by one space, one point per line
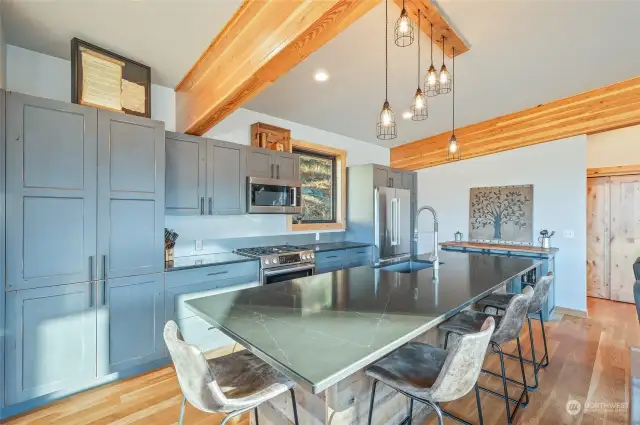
603 109
431 14
261 42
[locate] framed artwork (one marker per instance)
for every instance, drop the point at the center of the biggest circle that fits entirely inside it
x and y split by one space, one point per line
501 214
107 80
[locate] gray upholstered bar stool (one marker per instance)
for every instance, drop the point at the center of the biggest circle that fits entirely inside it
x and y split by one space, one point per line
432 375
231 384
508 328
500 300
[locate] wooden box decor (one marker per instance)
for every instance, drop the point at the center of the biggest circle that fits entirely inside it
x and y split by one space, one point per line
502 214
270 137
107 80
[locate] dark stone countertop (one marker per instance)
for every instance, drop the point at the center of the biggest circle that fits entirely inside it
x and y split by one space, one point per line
320 329
334 246
205 260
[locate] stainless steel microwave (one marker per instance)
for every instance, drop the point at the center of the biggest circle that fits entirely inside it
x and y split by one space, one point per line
273 196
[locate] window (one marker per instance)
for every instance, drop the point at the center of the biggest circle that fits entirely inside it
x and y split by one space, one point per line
318 177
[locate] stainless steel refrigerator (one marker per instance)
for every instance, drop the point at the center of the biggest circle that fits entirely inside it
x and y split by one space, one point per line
392 223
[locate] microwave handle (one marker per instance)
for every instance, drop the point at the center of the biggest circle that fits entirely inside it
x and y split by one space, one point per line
294 199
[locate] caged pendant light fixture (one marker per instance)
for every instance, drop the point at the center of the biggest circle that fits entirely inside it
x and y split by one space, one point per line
445 78
431 84
419 109
404 32
453 150
386 127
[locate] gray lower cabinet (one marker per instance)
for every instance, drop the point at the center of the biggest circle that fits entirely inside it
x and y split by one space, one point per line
226 178
342 259
130 322
270 164
51 340
185 178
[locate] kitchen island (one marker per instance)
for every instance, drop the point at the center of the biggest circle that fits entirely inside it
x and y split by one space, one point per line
323 330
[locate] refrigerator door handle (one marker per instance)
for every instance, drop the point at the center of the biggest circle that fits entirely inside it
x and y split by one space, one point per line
376 216
398 213
394 219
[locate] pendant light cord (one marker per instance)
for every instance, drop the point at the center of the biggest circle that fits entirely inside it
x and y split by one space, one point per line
431 38
453 85
418 47
386 53
443 49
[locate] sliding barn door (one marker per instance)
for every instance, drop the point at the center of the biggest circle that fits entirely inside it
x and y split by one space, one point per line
625 235
598 217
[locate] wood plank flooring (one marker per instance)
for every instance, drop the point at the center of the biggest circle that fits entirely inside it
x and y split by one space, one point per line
589 363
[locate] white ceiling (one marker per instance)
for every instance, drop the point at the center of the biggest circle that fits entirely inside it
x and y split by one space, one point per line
523 53
167 35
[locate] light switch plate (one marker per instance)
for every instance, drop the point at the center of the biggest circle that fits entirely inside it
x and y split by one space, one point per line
198 245
317 236
569 234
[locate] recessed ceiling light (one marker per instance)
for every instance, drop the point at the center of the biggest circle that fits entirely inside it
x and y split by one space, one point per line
406 115
321 76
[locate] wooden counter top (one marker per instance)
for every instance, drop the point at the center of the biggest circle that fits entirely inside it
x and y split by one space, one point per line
501 247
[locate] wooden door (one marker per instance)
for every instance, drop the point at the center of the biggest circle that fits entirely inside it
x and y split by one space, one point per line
625 235
51 340
131 164
598 217
226 178
260 163
185 179
287 166
130 322
51 176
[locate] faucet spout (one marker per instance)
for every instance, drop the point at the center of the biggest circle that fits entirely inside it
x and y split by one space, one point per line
434 255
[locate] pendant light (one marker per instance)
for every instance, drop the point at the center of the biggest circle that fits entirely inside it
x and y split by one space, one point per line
453 150
404 29
419 110
445 78
386 128
431 80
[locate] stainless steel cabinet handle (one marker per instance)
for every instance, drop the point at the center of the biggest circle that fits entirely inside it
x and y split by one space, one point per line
104 292
389 182
272 170
104 267
278 169
217 273
210 205
91 294
202 205
90 268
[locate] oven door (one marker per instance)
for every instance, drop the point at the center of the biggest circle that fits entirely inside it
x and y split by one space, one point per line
282 274
273 196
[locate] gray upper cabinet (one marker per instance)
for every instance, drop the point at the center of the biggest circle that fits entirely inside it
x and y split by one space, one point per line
226 175
51 340
408 180
395 179
51 176
287 166
388 177
130 322
260 163
380 177
185 174
131 153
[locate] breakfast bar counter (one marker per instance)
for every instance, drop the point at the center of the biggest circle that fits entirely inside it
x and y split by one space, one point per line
323 330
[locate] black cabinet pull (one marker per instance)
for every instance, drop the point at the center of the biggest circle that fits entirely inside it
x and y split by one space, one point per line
278 169
210 205
272 170
217 273
202 205
332 256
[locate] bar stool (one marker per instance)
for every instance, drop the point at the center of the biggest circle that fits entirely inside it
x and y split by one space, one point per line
231 384
431 375
508 328
500 300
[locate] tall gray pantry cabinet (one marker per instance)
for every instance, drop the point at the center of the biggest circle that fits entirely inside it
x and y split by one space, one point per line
85 220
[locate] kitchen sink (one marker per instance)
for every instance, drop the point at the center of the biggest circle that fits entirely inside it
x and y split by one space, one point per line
408 266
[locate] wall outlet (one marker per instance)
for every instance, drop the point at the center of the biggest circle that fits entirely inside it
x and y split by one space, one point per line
317 236
569 234
198 245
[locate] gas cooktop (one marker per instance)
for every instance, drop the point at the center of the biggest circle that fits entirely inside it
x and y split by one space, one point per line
279 255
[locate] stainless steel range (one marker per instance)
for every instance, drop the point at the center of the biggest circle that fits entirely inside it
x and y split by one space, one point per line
282 262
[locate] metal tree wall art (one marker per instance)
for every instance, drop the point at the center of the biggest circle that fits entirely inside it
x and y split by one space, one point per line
503 213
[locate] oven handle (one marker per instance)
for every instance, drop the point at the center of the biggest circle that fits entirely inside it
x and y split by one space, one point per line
277 272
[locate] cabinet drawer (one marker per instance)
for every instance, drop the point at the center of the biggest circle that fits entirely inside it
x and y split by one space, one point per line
329 256
176 297
197 332
328 266
208 274
357 252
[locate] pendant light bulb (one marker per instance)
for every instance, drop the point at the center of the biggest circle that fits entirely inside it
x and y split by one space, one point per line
444 83
432 77
404 22
419 99
404 32
431 84
444 75
386 116
453 144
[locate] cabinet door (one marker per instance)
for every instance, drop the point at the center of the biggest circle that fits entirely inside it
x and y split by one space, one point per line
51 176
185 179
395 179
51 340
380 177
408 181
130 195
287 166
226 178
130 322
598 235
260 163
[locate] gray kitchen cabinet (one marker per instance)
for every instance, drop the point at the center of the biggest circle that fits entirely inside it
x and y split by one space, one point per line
395 179
408 180
260 163
226 178
342 259
380 177
51 340
51 177
131 160
185 178
130 322
287 166
389 177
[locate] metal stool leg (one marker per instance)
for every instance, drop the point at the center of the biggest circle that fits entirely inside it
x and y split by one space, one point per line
256 413
373 395
183 405
504 383
410 411
479 404
524 377
436 409
295 407
544 340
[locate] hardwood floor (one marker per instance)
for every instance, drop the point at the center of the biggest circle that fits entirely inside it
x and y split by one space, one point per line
589 363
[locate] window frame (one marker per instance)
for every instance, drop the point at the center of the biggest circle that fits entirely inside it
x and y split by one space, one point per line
334 182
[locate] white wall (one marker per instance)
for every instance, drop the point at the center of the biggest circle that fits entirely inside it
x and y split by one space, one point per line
558 173
616 147
236 128
46 76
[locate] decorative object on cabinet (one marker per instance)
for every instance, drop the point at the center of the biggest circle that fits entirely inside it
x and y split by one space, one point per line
431 80
107 80
386 127
545 238
457 236
404 29
271 137
419 109
501 214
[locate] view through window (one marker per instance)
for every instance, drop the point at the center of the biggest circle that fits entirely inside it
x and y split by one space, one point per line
318 177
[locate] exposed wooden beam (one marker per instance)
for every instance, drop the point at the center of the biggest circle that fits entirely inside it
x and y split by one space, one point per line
603 109
441 26
619 170
261 42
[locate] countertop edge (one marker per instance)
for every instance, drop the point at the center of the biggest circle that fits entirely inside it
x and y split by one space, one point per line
218 263
355 245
